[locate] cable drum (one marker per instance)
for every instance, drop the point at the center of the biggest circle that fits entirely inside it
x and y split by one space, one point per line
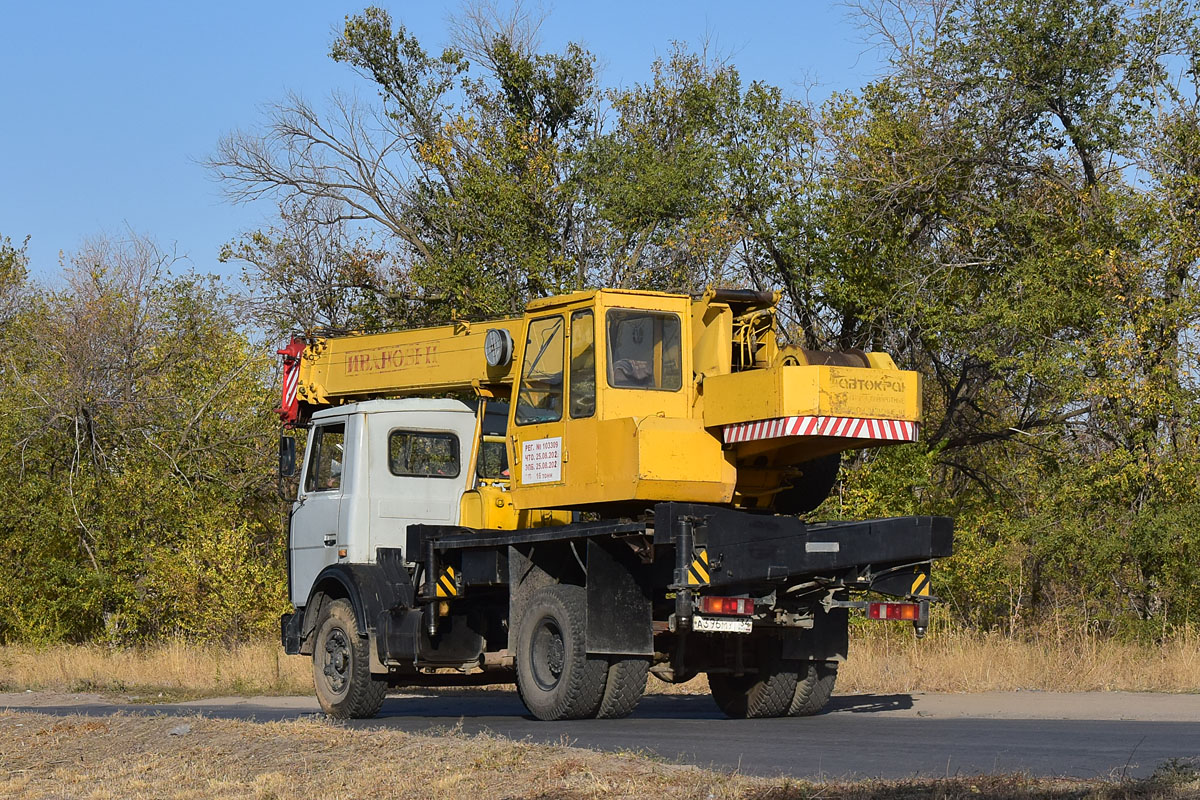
794 355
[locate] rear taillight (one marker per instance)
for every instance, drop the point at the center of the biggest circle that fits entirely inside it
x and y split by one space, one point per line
903 611
735 606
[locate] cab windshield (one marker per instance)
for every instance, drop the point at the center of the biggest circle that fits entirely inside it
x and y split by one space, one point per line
541 393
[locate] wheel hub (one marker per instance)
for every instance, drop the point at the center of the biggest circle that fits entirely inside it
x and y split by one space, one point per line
556 655
549 654
337 660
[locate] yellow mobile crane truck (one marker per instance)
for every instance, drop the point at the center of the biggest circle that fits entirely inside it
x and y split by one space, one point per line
618 493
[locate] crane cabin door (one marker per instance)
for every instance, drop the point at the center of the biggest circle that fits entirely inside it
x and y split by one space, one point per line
557 383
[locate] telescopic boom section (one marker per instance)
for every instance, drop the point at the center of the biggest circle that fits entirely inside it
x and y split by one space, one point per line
329 371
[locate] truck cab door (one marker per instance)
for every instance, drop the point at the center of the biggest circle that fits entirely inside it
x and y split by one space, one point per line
538 455
317 511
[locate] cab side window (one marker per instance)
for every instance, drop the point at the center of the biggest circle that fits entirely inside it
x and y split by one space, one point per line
423 455
540 398
325 458
583 365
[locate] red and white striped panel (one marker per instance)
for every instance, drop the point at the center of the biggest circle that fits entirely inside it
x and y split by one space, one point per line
289 408
893 430
291 382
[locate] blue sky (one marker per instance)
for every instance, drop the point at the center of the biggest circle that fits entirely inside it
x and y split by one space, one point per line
107 108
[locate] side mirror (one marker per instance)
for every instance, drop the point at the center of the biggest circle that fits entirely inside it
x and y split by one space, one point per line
287 456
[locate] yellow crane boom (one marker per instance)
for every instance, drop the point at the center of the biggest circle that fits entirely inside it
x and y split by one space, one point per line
420 361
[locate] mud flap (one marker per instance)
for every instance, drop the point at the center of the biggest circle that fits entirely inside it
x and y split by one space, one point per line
828 640
618 601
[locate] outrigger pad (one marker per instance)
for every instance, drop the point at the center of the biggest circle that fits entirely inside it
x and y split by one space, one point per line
745 547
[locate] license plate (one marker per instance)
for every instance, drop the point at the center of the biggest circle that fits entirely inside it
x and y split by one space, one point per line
722 624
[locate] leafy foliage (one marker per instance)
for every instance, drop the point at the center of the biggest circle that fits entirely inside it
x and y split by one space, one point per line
138 452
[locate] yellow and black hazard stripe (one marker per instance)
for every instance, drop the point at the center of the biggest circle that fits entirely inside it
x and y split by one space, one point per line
447 586
920 585
698 569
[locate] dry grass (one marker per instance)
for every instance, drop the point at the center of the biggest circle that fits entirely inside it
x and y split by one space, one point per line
890 660
893 661
174 668
883 660
168 757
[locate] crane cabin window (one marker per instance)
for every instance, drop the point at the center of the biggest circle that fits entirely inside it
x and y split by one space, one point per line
418 454
540 398
644 350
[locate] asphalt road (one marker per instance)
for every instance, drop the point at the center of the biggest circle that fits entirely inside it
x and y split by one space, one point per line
889 736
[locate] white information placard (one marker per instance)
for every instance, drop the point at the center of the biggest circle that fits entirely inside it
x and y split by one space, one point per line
541 460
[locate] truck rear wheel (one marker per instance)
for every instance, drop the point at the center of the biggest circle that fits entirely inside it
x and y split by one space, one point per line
557 678
342 675
766 693
814 687
625 686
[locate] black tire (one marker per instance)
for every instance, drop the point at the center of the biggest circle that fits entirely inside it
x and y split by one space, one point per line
816 481
556 676
345 687
625 686
814 688
766 693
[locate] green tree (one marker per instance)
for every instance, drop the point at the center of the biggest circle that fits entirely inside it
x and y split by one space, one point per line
1050 295
14 270
468 168
309 273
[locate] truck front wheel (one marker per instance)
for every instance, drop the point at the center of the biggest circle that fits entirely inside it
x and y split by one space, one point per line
342 675
556 676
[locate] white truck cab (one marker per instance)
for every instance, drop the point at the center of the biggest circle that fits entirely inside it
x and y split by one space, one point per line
371 470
